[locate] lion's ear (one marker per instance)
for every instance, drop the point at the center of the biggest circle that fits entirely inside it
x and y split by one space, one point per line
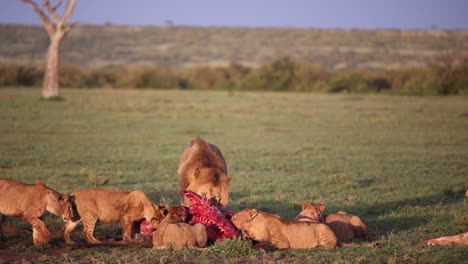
306 204
253 213
40 183
321 207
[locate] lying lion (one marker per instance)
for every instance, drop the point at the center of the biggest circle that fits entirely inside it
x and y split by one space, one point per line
111 206
460 239
173 233
345 226
271 230
30 202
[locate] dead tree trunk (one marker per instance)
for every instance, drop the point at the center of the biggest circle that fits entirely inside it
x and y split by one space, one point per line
57 32
51 86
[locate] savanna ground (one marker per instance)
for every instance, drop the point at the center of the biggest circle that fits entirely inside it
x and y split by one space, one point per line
401 163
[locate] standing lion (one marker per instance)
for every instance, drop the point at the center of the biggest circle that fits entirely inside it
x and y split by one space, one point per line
111 206
202 170
30 201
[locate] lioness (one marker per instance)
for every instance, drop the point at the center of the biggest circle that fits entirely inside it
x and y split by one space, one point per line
460 239
202 170
271 230
111 206
173 233
345 226
30 202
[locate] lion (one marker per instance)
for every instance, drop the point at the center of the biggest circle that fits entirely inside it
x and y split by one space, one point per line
174 233
345 226
30 201
270 230
202 170
111 206
460 239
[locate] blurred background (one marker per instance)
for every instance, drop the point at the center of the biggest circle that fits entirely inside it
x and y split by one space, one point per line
318 46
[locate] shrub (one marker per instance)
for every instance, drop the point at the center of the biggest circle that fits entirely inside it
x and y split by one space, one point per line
28 76
276 76
149 77
72 76
348 81
106 77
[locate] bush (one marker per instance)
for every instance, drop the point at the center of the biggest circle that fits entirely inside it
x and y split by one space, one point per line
446 74
149 77
276 76
348 81
106 77
72 76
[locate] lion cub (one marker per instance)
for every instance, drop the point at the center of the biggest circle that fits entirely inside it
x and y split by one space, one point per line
271 230
174 233
111 206
345 226
30 201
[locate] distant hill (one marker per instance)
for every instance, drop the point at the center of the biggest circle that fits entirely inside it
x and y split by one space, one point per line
90 45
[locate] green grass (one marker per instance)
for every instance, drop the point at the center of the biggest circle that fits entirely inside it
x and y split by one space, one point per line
400 163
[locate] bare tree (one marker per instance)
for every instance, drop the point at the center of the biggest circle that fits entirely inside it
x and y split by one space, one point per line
57 29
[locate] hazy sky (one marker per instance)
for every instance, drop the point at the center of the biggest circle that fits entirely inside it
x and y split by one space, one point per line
403 14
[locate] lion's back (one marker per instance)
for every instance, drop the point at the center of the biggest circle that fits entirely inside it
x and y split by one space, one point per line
346 227
310 235
16 197
101 203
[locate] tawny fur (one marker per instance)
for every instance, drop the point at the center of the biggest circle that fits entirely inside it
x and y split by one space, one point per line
345 226
30 202
108 207
460 239
271 230
202 170
173 233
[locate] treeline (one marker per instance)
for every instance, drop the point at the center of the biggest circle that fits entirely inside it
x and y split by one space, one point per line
445 75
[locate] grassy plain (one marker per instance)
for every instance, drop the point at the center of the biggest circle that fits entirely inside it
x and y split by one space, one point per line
401 163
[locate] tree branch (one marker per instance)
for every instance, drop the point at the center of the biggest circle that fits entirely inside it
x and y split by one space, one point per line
69 27
44 18
68 11
57 5
51 11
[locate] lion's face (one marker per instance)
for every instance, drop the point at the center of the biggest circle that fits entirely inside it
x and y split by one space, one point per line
242 219
159 214
311 211
61 205
213 184
178 214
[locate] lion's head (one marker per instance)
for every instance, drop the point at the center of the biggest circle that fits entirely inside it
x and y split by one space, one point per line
211 183
310 212
61 205
242 219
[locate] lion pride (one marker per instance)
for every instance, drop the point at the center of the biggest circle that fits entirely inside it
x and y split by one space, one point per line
202 170
111 206
345 226
30 201
271 230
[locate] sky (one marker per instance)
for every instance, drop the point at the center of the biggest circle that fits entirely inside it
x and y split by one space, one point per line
345 14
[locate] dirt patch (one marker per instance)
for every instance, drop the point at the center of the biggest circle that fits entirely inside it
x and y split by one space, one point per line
464 115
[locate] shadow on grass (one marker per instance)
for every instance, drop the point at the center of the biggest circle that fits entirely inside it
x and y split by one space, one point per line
382 217
447 197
